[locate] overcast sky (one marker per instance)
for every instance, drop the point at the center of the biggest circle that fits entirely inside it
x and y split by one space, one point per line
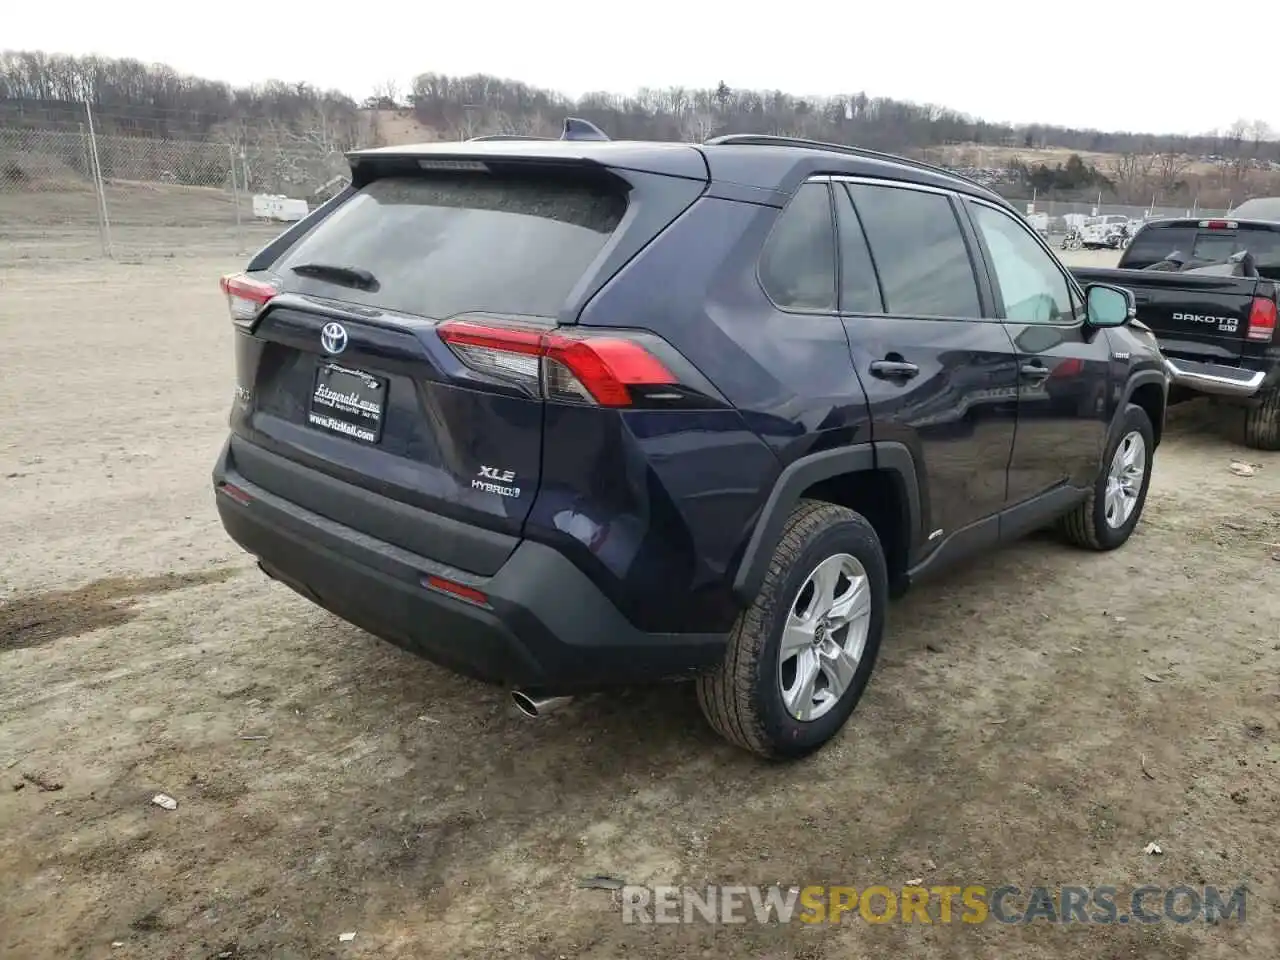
1076 64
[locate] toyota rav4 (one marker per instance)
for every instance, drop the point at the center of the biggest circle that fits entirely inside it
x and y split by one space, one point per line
565 414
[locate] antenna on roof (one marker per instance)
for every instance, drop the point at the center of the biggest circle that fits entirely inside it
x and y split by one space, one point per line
575 129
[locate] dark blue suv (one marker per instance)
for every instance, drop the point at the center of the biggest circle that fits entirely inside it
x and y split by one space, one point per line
564 414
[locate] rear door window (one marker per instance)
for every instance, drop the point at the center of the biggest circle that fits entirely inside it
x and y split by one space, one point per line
438 247
919 251
859 286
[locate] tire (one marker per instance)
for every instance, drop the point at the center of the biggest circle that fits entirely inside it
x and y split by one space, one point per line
743 698
1262 423
1087 525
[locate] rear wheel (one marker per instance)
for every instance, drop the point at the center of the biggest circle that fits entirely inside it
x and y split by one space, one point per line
800 656
1105 520
1262 423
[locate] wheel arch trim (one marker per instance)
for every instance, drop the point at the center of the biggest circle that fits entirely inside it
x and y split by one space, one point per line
801 474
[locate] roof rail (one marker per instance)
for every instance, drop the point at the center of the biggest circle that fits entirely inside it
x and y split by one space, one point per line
502 136
766 140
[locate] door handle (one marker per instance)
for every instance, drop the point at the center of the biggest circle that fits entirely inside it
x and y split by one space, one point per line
893 369
1034 371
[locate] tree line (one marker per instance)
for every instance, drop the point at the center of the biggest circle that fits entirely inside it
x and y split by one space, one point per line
157 100
132 98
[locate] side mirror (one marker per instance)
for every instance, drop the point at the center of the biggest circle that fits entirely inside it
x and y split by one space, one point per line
1109 306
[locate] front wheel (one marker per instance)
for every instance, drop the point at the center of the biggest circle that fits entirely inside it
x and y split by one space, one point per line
1105 520
800 656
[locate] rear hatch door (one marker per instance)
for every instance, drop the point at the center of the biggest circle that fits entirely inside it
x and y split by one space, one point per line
348 376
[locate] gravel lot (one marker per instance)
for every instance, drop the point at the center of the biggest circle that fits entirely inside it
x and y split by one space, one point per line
1038 717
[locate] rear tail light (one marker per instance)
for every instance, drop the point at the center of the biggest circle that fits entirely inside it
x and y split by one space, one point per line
246 297
606 370
1262 320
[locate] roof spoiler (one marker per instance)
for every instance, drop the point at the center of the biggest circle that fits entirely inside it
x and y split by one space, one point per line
574 129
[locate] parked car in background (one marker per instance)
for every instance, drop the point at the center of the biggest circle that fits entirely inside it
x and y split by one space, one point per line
569 414
1209 288
1110 231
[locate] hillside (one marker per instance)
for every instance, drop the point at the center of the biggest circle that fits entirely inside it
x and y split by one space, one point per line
294 135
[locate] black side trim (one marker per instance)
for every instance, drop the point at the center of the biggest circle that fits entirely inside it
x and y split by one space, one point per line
1140 378
803 473
1039 511
1137 380
1017 521
897 459
976 537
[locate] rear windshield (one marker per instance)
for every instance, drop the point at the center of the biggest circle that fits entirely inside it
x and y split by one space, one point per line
437 247
1154 243
1207 246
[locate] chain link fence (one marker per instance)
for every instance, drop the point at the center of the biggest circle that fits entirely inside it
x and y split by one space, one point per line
76 193
1056 216
71 194
49 200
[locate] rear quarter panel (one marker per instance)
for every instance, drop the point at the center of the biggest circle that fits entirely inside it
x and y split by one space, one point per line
684 489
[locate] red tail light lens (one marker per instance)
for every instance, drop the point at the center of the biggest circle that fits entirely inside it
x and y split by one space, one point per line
1262 320
583 368
246 297
459 590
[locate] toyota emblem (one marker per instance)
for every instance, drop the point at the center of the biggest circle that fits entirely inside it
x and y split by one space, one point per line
333 337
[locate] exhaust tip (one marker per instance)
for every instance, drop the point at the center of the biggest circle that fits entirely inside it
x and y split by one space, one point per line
535 708
525 704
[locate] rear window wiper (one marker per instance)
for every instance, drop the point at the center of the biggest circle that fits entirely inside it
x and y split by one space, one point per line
357 277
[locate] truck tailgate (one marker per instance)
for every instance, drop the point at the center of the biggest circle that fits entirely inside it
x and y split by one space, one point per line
1192 314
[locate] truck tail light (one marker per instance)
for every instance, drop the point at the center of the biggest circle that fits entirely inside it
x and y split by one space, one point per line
600 369
246 297
1262 320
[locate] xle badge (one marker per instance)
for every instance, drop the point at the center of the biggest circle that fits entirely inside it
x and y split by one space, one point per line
495 480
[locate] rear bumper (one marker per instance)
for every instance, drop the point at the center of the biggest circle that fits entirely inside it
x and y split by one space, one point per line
1216 378
544 627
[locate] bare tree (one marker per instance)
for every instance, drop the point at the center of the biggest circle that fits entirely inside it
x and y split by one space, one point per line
387 94
1259 131
1130 172
697 127
1169 168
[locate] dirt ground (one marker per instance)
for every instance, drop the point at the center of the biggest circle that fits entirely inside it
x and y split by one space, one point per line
1038 717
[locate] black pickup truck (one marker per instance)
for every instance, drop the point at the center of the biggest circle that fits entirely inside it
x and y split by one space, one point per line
1209 289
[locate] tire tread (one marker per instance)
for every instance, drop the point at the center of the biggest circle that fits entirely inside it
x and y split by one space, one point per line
726 693
1262 423
1080 525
